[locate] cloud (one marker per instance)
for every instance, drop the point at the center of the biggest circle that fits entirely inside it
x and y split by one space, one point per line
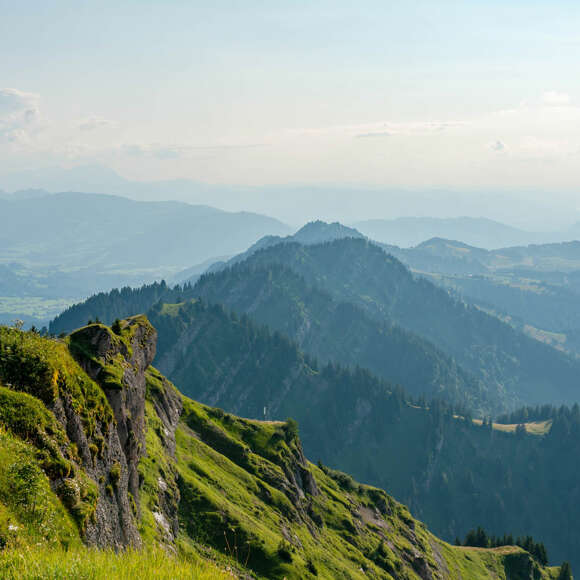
14 101
554 98
166 152
92 123
155 150
19 115
379 129
373 134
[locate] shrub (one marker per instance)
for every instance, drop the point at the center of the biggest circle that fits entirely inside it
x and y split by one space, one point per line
291 429
311 567
116 327
69 493
285 551
115 473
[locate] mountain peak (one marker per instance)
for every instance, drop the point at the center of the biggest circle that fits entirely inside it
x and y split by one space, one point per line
319 231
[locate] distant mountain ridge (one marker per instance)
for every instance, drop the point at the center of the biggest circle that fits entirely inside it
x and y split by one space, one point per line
536 288
408 232
454 256
314 232
105 229
94 241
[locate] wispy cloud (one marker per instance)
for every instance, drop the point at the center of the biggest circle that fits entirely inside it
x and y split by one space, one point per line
373 134
92 123
19 115
177 151
380 129
555 98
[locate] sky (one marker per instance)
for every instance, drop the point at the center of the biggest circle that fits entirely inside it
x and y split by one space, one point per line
469 96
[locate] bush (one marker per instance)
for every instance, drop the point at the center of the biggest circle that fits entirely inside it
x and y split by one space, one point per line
285 551
291 429
311 567
116 327
69 493
115 473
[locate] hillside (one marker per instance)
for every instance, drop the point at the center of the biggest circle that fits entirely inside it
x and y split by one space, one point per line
322 326
535 288
110 454
443 461
336 330
67 246
357 272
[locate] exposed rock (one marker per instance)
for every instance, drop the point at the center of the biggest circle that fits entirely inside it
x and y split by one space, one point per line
115 466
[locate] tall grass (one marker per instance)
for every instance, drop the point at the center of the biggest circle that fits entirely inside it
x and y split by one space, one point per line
43 563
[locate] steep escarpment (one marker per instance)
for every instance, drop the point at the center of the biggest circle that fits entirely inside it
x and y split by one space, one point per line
111 454
93 387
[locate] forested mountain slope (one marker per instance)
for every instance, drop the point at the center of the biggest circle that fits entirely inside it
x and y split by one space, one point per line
335 330
318 294
107 306
359 272
535 288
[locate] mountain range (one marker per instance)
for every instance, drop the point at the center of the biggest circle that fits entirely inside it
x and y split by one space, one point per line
481 232
332 329
58 249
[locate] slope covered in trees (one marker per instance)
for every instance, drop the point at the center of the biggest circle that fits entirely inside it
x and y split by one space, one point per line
349 301
535 285
517 367
335 330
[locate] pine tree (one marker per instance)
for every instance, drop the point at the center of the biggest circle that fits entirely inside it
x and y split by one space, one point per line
565 572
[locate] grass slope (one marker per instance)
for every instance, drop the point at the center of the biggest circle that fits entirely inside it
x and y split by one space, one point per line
453 473
243 493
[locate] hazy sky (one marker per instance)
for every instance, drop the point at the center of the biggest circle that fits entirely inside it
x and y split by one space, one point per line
469 94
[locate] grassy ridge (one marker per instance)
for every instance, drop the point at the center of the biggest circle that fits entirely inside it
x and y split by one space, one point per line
241 492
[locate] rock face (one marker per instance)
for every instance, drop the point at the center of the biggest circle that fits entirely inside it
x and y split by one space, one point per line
115 465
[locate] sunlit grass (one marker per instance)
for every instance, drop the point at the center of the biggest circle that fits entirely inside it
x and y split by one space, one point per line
532 427
86 564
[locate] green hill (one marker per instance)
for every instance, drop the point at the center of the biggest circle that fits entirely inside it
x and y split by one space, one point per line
514 368
451 471
99 448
